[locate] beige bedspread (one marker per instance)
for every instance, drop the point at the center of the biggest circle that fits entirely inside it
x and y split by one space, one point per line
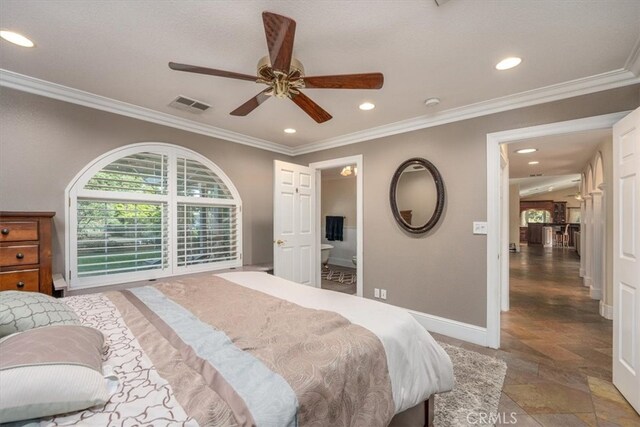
236 356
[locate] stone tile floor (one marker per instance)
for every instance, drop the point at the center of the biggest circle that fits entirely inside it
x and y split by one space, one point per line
557 347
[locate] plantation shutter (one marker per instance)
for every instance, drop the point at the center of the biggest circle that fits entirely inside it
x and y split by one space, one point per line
206 232
123 236
154 212
139 173
197 180
116 237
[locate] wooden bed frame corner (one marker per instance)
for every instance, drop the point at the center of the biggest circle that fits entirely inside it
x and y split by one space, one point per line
429 411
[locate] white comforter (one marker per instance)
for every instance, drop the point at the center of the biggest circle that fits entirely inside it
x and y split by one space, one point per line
418 366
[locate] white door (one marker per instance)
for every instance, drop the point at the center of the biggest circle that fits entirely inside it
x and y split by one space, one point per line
626 257
294 222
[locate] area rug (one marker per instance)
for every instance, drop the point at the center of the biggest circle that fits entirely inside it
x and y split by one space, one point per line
343 277
476 393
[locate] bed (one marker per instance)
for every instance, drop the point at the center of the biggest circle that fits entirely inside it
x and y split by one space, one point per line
248 348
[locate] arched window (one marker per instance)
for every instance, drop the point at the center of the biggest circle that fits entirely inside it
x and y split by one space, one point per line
534 215
151 210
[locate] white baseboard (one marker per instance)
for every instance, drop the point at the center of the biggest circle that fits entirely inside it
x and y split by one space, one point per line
606 311
342 262
595 293
452 328
587 282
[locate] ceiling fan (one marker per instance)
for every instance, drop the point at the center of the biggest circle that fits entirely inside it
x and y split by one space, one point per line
284 75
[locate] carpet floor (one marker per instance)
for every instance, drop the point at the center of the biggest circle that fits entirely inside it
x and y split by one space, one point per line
476 393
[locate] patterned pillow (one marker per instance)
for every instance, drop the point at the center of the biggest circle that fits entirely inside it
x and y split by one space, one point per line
51 370
21 311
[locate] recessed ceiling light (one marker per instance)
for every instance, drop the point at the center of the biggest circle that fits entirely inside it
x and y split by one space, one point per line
550 188
289 130
535 162
16 38
507 63
366 106
526 150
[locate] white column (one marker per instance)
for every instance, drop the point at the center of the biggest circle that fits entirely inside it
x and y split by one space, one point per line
583 213
597 248
606 305
588 241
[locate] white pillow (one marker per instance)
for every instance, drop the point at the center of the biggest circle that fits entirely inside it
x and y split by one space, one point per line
51 370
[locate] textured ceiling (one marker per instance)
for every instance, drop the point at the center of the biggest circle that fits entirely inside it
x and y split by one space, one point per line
120 49
558 154
562 158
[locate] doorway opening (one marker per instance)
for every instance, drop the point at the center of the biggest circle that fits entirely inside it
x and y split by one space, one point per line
498 201
558 276
339 224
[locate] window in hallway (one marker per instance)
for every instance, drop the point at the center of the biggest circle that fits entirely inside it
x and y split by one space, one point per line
535 215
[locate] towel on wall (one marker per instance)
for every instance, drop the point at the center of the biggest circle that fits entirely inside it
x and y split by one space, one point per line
334 227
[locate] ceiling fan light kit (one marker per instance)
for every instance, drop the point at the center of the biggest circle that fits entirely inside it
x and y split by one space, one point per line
284 75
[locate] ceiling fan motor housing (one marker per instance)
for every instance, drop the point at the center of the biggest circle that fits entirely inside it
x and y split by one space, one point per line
282 84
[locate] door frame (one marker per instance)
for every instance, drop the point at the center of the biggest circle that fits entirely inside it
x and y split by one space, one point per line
495 244
334 163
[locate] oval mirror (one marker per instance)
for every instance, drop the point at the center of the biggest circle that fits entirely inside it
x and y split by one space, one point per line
417 195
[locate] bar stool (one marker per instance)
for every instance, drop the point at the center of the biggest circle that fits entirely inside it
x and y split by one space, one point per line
557 236
565 237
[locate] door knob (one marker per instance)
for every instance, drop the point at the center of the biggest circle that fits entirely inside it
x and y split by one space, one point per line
280 242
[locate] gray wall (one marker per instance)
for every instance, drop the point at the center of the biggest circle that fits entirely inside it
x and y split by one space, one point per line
444 272
44 143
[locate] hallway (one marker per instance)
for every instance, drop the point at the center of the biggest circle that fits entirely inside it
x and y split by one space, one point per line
557 347
561 347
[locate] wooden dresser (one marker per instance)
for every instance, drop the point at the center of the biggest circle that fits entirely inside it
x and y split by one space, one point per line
25 251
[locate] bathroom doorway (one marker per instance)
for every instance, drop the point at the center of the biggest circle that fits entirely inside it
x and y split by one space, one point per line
339 224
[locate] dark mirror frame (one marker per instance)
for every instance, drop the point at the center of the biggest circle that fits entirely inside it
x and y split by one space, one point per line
437 178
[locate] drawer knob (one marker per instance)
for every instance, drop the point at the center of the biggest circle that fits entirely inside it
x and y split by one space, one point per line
20 285
19 255
5 231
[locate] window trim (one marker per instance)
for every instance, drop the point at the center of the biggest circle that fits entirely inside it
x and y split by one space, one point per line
76 190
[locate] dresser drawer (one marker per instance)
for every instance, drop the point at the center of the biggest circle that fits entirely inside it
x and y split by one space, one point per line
26 280
18 255
15 231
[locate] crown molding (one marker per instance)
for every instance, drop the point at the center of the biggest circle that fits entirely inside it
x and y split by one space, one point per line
48 89
633 61
583 86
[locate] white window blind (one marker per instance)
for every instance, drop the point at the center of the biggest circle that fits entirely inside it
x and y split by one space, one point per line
152 210
139 173
196 180
116 237
206 234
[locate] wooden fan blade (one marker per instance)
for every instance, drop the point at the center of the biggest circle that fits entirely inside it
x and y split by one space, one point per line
280 32
211 71
345 81
311 108
251 104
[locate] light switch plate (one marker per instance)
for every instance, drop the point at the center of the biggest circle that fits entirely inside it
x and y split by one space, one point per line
376 293
383 293
479 227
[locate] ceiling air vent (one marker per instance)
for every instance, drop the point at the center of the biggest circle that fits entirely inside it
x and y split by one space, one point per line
535 174
188 104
